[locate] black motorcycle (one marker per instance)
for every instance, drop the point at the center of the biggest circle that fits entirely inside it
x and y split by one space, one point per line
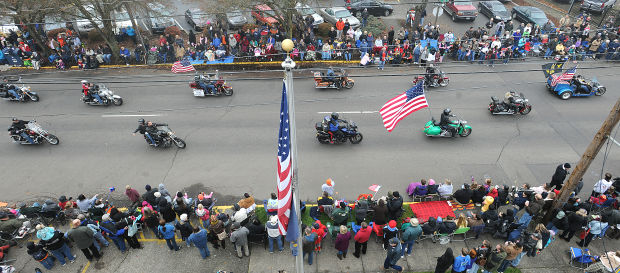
348 129
34 133
164 137
522 105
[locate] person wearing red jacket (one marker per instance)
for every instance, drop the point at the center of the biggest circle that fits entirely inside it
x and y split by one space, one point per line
361 239
339 28
321 231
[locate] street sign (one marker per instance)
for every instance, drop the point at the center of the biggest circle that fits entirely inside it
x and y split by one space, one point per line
437 11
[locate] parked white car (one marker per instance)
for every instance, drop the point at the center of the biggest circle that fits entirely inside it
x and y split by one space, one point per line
305 10
332 15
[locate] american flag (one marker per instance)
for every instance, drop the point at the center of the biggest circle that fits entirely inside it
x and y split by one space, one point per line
402 105
182 66
564 77
286 210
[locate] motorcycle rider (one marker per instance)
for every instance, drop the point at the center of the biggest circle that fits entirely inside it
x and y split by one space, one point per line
334 128
445 121
142 127
431 75
206 83
153 132
18 127
331 76
93 91
581 85
510 100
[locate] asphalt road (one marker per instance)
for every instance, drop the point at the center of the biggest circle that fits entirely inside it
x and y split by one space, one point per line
232 140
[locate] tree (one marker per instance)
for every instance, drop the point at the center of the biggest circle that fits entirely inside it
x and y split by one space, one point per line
28 14
284 10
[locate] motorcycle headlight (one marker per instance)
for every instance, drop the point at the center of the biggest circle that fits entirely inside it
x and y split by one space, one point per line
463 121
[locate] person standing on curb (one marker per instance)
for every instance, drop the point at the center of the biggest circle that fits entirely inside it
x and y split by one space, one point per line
393 255
274 233
342 242
410 234
558 177
54 242
239 237
167 231
361 239
84 239
461 262
308 244
199 239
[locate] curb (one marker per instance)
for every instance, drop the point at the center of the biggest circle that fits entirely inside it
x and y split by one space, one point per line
242 65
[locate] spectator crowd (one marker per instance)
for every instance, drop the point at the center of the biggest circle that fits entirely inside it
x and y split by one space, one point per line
514 215
573 39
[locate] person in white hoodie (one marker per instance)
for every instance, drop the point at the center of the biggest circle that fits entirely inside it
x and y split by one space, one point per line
274 233
445 189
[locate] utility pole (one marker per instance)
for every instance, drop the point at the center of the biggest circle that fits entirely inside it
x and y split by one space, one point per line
587 158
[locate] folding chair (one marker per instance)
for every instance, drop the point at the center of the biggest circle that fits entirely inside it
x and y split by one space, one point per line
431 196
602 235
581 258
420 198
477 230
461 231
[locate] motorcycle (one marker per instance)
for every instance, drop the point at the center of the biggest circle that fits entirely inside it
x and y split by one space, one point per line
24 91
107 96
432 129
165 138
349 132
219 85
36 133
497 107
442 80
339 80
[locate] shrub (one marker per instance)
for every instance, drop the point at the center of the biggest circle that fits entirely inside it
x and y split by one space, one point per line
173 30
323 29
94 36
54 32
374 25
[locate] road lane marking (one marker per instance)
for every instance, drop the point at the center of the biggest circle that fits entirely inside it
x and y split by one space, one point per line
121 116
86 267
351 112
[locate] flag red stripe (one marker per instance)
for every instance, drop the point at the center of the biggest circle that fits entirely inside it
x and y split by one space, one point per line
387 117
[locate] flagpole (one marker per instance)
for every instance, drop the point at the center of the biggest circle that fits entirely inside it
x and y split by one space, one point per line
288 66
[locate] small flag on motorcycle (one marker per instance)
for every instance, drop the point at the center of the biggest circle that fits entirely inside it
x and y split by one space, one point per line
374 188
552 68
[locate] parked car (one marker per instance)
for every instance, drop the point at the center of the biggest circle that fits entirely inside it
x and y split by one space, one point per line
305 10
494 10
598 6
198 19
6 25
332 15
374 7
85 25
157 18
121 20
236 19
264 14
461 9
527 14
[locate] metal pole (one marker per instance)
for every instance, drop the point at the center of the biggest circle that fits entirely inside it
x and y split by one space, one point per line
604 15
288 66
572 3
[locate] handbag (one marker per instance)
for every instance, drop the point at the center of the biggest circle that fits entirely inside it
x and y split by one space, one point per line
133 228
221 236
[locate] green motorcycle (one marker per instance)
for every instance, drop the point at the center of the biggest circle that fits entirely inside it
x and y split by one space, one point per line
432 129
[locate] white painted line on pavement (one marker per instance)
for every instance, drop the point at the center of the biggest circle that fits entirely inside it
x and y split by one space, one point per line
351 112
120 116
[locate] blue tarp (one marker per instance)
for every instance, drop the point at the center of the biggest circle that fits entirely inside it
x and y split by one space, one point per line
433 43
225 60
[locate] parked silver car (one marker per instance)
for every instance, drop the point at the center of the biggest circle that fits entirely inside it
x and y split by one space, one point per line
332 15
598 6
236 19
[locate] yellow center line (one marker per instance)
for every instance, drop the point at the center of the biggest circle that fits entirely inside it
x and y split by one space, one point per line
86 267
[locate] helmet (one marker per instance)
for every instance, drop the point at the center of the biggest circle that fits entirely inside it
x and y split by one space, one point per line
430 65
141 121
84 81
447 111
14 119
334 116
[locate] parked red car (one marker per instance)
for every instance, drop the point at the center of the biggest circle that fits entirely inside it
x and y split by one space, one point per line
461 9
264 14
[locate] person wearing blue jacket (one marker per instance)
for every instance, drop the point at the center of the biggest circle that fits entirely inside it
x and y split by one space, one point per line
167 231
115 234
461 262
199 239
